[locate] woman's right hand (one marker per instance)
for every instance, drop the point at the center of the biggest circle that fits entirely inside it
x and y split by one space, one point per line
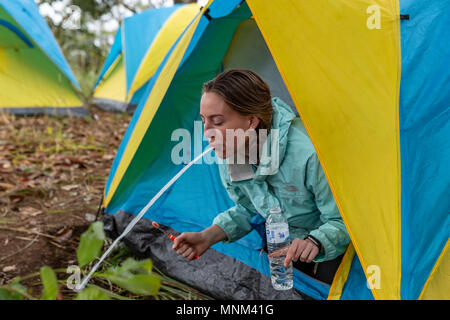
189 244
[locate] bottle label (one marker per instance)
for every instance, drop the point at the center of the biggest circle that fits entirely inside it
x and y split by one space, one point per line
277 233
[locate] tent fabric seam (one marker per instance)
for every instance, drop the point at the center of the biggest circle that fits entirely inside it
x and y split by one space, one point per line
17 32
397 31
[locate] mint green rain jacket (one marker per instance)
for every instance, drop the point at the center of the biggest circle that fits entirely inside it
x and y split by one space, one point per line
297 184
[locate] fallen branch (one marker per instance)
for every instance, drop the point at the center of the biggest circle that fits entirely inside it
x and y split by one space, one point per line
33 232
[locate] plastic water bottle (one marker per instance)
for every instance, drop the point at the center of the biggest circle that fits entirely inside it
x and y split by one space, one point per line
277 231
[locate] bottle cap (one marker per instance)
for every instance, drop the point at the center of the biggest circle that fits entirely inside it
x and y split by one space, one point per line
275 210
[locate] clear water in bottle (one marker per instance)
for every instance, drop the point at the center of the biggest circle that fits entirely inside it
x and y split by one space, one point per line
277 231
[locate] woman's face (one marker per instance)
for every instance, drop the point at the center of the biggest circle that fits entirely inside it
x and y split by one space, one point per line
217 117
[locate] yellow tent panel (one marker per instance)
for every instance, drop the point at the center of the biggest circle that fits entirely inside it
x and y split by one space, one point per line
356 96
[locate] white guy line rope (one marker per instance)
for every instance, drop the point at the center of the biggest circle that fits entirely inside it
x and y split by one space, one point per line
137 218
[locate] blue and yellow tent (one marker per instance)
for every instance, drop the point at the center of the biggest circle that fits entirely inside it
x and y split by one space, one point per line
141 43
371 82
34 75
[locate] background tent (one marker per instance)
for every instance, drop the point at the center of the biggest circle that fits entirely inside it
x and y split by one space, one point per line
372 87
140 45
34 75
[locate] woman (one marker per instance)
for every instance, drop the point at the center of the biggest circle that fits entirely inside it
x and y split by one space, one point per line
240 101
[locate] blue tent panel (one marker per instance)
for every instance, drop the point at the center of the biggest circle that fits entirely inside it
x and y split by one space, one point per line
424 139
355 287
219 9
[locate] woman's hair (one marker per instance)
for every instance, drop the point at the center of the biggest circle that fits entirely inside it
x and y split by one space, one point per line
245 92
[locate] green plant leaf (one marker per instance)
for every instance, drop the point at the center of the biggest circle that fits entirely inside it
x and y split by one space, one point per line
131 265
6 294
92 293
50 283
141 284
135 276
13 291
91 242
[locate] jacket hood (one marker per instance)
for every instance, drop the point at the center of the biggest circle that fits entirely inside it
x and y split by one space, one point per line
275 146
281 120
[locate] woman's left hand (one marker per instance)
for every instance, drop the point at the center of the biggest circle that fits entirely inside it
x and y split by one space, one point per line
305 250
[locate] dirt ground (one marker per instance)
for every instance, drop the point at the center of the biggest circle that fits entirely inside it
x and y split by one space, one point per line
53 171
